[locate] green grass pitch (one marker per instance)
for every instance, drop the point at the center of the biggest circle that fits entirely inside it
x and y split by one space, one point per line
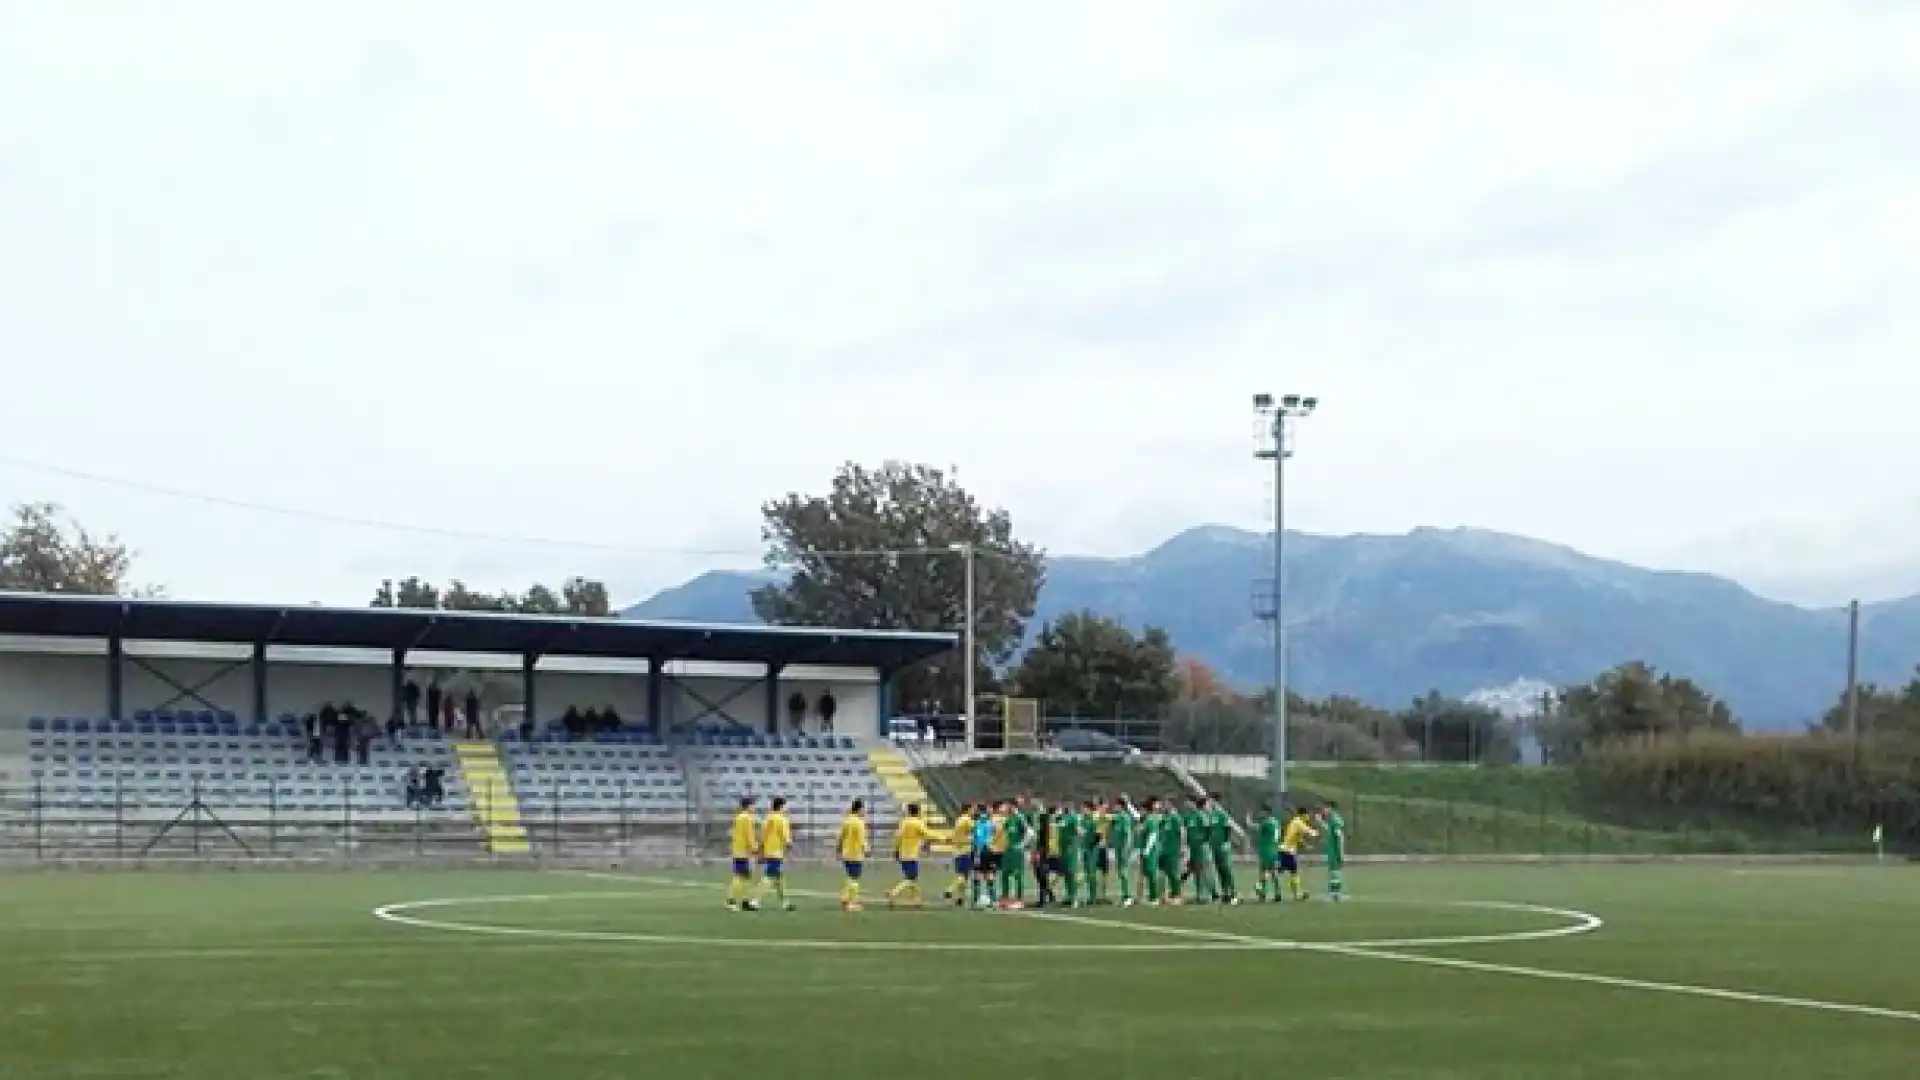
1707 971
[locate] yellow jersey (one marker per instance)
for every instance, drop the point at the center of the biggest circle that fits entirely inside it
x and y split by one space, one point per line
963 834
776 835
1102 825
999 841
909 838
853 838
1296 834
745 846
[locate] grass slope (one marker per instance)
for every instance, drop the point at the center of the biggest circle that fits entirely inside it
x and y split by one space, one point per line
1392 810
279 974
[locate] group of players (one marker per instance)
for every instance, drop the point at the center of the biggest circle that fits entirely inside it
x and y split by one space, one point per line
1102 851
1110 851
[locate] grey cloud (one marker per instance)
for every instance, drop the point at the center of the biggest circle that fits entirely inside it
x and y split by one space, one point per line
388 68
1677 201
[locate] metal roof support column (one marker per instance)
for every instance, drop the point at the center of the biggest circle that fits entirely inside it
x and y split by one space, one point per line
259 682
773 696
115 654
656 694
528 661
885 704
397 684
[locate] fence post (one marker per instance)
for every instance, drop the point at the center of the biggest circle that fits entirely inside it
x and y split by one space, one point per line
419 823
626 836
196 815
273 816
119 819
346 821
556 818
39 819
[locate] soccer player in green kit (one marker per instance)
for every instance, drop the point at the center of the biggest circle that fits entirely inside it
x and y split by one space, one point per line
1066 824
1150 851
1220 843
1093 839
1333 847
1199 852
1120 828
1266 847
1012 888
1170 858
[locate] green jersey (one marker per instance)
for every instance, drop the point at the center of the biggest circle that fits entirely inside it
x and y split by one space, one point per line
1152 830
1019 827
1068 823
1195 821
1333 835
1219 827
1120 829
1170 835
1267 836
1091 823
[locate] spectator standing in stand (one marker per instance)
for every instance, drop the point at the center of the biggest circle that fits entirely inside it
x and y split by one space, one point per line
797 711
433 702
414 794
410 694
364 733
473 715
343 734
827 708
449 708
314 727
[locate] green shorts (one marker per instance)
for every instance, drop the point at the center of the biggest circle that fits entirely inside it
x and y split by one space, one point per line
1335 858
1269 860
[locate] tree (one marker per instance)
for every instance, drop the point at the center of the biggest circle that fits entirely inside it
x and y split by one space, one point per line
43 550
1879 710
1447 729
1632 700
877 552
1085 664
577 596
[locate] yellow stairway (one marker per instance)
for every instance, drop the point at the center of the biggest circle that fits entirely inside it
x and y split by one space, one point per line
896 775
490 795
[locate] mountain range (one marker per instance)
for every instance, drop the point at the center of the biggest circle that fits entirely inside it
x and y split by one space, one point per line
1386 618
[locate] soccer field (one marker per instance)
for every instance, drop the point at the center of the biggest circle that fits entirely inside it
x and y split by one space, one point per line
1485 971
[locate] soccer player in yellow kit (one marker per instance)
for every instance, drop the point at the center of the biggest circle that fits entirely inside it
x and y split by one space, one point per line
908 840
746 845
776 836
853 854
1298 832
962 856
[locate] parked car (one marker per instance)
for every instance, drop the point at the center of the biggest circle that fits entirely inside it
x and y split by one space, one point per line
1091 743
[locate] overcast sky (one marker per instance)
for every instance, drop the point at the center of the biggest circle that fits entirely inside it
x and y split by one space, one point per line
1636 277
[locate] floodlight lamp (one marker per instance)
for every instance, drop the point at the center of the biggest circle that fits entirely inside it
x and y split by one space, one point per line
1291 401
1263 401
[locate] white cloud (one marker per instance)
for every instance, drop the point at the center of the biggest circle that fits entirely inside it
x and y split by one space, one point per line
1630 276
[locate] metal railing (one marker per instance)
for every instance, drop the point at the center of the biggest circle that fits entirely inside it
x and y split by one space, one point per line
43 824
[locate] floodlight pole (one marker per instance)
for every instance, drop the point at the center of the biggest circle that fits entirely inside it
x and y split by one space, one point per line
1274 417
965 548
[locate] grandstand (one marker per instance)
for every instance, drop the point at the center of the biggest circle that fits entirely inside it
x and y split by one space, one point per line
126 730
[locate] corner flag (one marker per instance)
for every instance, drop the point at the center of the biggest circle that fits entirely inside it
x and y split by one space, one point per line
1876 834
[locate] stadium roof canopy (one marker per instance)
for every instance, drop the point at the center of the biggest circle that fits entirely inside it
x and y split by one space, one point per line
69 615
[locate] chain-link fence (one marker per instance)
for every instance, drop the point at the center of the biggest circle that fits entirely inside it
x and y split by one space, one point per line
623 820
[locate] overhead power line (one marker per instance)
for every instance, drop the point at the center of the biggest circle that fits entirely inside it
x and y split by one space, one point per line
440 532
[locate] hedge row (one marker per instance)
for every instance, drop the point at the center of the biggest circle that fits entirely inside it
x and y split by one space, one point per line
1812 783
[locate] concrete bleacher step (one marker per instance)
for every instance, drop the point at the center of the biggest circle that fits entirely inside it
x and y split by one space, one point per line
895 774
490 794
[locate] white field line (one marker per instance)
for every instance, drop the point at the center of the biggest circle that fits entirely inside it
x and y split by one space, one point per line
401 914
1375 952
1745 997
1578 922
